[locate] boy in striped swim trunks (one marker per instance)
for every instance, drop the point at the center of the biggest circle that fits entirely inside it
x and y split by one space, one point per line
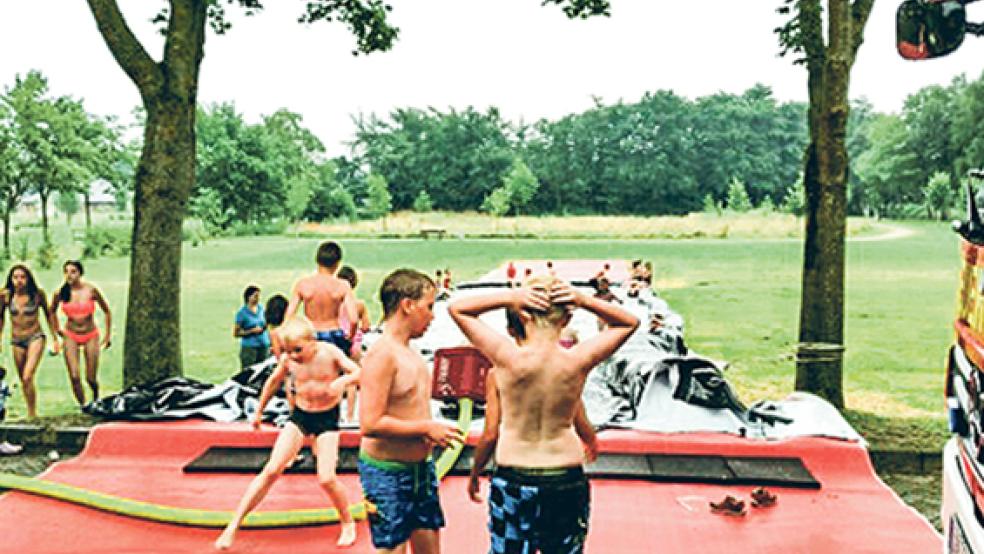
540 499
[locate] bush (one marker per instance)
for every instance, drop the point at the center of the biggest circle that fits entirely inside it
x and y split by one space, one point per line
272 227
23 248
106 241
47 255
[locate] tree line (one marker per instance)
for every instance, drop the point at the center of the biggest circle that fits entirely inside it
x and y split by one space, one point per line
664 154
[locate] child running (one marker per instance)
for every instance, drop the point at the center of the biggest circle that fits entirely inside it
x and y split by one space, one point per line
315 383
490 432
395 467
540 498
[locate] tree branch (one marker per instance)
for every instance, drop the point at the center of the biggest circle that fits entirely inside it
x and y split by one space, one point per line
124 46
860 10
183 47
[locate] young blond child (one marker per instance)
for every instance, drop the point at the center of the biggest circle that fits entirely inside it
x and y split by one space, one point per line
316 374
398 434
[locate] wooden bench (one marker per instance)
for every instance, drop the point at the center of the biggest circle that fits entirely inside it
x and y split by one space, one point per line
426 234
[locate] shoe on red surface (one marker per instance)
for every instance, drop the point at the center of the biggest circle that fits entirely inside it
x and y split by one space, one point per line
762 498
730 506
7 449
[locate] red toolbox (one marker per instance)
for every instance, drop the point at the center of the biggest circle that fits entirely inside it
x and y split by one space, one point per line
459 372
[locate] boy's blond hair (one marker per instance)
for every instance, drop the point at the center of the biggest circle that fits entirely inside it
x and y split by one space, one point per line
296 329
556 314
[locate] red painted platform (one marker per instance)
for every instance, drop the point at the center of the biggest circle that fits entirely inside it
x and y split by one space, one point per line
853 512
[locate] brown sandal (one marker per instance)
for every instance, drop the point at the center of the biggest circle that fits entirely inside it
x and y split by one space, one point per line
761 498
730 506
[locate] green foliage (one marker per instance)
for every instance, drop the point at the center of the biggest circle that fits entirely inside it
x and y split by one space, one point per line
938 194
378 199
497 203
22 248
259 228
521 185
459 155
794 200
106 241
710 206
738 200
423 203
767 205
207 207
47 255
67 203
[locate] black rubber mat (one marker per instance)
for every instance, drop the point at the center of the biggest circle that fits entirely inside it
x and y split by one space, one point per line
774 471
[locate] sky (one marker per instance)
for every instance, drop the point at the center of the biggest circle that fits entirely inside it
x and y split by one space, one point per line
528 60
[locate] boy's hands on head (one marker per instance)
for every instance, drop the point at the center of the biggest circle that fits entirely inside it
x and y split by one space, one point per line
442 434
536 299
563 293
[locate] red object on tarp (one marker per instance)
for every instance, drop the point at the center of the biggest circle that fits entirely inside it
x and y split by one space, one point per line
459 372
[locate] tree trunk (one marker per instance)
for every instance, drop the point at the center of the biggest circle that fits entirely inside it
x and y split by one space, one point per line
163 183
88 212
44 217
6 233
152 348
819 367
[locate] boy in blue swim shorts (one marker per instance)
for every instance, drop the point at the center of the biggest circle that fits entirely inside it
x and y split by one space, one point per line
395 466
539 499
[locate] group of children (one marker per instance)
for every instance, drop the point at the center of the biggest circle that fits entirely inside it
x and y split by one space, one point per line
535 419
27 306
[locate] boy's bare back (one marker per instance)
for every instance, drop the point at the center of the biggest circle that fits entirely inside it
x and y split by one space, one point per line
323 297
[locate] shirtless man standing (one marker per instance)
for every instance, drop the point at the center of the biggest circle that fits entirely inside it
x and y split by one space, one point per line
539 498
324 297
398 434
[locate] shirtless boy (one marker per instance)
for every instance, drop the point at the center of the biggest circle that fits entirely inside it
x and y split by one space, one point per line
325 296
316 378
490 432
395 467
539 455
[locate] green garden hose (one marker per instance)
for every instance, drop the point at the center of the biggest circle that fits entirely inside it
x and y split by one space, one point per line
212 518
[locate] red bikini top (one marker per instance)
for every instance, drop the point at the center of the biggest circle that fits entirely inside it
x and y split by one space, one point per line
78 310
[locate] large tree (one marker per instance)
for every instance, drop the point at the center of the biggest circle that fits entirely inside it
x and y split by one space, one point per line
828 62
166 171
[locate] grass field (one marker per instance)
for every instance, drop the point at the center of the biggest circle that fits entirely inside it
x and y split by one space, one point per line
739 297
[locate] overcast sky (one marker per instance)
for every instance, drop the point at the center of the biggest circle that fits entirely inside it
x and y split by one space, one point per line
530 61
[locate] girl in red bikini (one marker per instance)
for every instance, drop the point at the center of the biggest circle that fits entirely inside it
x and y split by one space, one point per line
26 303
78 301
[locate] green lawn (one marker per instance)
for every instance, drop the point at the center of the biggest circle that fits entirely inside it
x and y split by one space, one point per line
739 297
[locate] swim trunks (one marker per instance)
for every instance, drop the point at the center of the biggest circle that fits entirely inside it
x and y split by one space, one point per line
315 423
539 510
405 498
336 337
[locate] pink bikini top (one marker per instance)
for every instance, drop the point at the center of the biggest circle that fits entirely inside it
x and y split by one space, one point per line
78 310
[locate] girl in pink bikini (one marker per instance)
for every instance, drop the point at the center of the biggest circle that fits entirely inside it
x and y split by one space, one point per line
78 300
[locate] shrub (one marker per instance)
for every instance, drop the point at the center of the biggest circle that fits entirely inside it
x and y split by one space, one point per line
47 255
272 227
106 241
